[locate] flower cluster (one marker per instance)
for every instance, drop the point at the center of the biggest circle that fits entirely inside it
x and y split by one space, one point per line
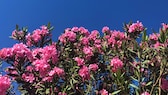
5 83
19 52
116 64
116 38
37 35
138 26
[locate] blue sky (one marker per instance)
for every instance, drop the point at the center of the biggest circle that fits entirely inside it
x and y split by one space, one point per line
91 14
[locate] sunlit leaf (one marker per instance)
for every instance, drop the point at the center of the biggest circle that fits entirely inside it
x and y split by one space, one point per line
149 83
134 86
116 92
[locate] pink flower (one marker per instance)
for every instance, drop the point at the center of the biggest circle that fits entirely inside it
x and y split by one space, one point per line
5 53
71 36
105 29
50 52
67 36
93 35
75 29
21 51
28 77
80 61
145 93
37 53
62 38
56 71
44 30
18 35
84 31
4 84
165 26
88 51
29 68
93 67
116 38
103 92
84 73
138 26
62 93
84 41
157 44
154 36
48 79
116 64
37 35
164 84
42 66
29 40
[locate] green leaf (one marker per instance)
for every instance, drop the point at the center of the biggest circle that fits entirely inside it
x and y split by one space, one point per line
47 91
71 83
17 27
131 50
134 86
149 83
144 36
116 92
162 37
133 78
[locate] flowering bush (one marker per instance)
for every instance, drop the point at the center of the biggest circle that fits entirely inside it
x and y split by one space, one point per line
83 62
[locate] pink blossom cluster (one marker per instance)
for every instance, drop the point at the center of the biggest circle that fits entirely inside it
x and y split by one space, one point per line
18 35
94 34
80 30
62 93
37 35
106 29
88 51
42 67
145 93
69 35
116 64
48 53
84 73
138 26
164 26
116 38
80 61
104 92
5 83
154 36
17 52
42 57
56 71
93 67
28 77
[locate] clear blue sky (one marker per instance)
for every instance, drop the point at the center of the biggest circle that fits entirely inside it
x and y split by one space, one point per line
92 14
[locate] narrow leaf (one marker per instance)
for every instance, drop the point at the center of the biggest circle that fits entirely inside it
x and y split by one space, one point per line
116 92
